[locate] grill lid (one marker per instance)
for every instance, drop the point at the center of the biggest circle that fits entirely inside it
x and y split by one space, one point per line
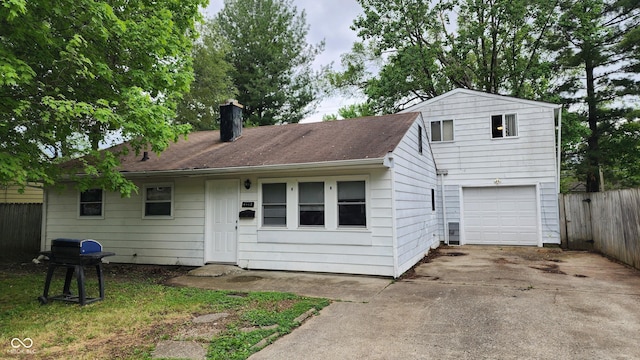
78 246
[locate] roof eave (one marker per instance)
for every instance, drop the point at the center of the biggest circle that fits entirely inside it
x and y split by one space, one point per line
324 165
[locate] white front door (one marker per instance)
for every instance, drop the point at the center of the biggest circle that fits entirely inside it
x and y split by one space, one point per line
221 216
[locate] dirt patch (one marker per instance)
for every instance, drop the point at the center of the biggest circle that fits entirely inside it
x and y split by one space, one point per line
551 269
503 261
435 253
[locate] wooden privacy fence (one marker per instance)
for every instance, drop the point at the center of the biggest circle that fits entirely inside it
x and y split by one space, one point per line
608 222
20 227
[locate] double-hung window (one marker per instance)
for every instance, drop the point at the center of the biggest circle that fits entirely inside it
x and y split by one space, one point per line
274 204
311 203
504 126
442 130
158 200
91 202
351 203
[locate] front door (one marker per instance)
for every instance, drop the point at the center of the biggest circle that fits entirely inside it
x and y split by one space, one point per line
221 215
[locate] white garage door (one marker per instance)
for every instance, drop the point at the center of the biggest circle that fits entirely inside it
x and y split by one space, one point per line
500 215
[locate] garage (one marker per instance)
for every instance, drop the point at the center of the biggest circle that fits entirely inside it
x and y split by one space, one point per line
500 215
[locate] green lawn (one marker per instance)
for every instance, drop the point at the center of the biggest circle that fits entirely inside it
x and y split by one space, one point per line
137 313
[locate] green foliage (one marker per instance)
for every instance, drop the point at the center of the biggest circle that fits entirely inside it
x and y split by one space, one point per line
351 111
496 48
79 74
271 59
212 84
597 58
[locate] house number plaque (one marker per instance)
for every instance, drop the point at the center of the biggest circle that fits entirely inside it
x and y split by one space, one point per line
247 204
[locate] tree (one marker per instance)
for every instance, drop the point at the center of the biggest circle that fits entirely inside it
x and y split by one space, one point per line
212 83
76 74
496 47
271 58
351 111
597 55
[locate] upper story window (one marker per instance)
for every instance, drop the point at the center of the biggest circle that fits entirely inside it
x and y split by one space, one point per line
442 130
91 203
420 139
311 203
158 200
352 203
274 204
504 126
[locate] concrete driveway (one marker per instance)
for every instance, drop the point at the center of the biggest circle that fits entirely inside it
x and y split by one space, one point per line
483 303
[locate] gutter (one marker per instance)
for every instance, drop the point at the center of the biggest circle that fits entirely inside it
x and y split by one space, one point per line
263 168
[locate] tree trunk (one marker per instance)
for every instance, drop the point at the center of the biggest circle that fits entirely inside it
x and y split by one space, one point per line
593 155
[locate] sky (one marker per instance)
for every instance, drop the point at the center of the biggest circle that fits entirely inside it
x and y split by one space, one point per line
329 20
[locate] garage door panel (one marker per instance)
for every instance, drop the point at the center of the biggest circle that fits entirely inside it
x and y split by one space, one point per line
500 215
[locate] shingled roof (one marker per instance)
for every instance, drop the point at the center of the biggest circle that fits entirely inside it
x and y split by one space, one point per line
355 139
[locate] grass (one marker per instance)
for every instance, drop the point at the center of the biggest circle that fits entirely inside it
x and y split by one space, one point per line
137 313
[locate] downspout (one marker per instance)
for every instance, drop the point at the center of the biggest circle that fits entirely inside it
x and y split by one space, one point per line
559 148
394 225
445 225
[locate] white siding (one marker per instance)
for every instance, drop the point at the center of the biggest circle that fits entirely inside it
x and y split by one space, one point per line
123 230
414 177
358 251
474 159
452 205
550 216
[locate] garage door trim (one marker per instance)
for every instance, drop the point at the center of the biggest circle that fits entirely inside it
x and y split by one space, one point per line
538 224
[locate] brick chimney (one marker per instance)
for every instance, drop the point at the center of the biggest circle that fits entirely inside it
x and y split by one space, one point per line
230 121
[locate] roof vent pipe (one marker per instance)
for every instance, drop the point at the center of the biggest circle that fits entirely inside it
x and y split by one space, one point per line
230 121
145 156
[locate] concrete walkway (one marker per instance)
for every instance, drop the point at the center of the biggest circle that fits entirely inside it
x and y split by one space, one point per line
484 303
336 287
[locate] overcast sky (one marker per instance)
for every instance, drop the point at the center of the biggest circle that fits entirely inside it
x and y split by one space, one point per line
329 20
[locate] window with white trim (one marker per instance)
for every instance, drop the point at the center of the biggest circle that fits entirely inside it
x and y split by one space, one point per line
441 130
274 204
504 126
311 203
158 200
352 203
91 203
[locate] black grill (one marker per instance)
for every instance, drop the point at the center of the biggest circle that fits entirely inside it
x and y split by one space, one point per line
74 255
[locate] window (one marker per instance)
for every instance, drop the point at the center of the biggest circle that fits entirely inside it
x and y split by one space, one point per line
351 203
504 126
158 200
442 130
91 202
274 204
311 203
420 139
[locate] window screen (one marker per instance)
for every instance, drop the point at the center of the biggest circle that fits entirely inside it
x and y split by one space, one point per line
311 202
158 201
442 130
274 204
351 203
504 126
91 202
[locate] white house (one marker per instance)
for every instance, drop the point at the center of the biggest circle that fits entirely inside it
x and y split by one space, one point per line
497 168
353 196
362 196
